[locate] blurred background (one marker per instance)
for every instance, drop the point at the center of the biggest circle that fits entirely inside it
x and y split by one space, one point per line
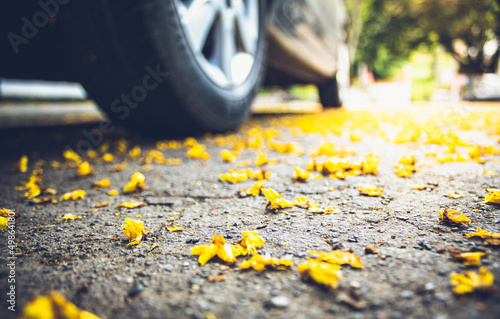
440 51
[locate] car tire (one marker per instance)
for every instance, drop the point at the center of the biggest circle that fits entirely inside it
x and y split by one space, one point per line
137 61
329 93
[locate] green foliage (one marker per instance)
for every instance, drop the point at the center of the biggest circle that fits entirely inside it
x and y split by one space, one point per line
393 29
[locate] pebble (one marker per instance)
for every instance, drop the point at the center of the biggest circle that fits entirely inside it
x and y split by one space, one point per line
442 272
402 218
196 281
280 301
430 286
185 264
137 289
192 240
352 240
408 294
169 267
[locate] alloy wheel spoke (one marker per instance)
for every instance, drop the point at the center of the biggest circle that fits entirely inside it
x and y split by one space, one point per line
228 44
247 19
197 20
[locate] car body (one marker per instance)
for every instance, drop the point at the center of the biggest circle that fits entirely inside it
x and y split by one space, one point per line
177 65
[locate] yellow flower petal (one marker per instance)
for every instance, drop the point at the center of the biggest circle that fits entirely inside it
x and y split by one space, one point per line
371 190
22 165
134 230
136 184
228 156
260 263
174 228
448 217
493 196
103 183
468 259
300 174
74 195
470 281
131 204
338 257
250 242
218 247
54 305
321 272
84 169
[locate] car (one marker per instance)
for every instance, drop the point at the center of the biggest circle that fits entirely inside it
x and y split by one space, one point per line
175 66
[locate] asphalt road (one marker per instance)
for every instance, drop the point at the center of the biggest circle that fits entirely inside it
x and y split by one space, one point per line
88 261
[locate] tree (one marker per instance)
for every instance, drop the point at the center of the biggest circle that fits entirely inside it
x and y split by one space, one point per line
393 29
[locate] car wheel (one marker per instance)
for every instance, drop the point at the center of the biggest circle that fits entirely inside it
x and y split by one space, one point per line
329 93
169 65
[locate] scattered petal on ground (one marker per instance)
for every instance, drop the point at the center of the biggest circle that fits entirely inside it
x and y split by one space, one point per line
22 165
54 306
371 190
103 183
249 243
469 281
260 263
338 257
448 216
136 184
174 228
74 195
84 169
469 258
218 247
300 174
275 200
321 272
131 204
134 230
493 196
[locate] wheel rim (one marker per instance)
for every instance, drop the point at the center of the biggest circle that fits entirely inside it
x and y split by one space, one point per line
223 36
